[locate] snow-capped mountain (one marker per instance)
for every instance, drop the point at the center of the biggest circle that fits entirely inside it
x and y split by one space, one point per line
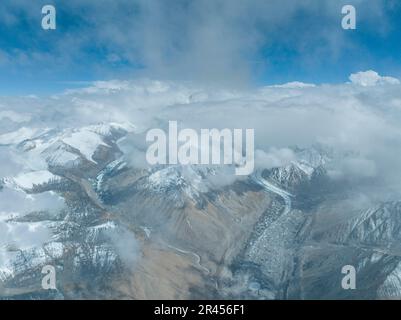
174 217
78 195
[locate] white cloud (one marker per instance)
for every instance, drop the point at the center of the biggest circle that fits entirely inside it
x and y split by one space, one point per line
214 41
294 85
23 235
127 247
274 158
15 202
350 119
371 78
353 167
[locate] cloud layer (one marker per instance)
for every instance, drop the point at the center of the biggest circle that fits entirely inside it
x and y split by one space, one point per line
357 122
210 41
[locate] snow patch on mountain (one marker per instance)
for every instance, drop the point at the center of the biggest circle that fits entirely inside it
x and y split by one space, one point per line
86 141
29 180
18 136
43 147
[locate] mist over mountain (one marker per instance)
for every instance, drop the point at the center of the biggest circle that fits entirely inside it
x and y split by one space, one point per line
77 193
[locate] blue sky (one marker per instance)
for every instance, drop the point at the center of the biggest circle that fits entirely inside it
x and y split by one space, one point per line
228 41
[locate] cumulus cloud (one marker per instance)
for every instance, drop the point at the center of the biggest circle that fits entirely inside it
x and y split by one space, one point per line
371 78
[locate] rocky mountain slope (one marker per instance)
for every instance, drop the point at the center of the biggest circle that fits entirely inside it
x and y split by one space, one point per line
172 232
